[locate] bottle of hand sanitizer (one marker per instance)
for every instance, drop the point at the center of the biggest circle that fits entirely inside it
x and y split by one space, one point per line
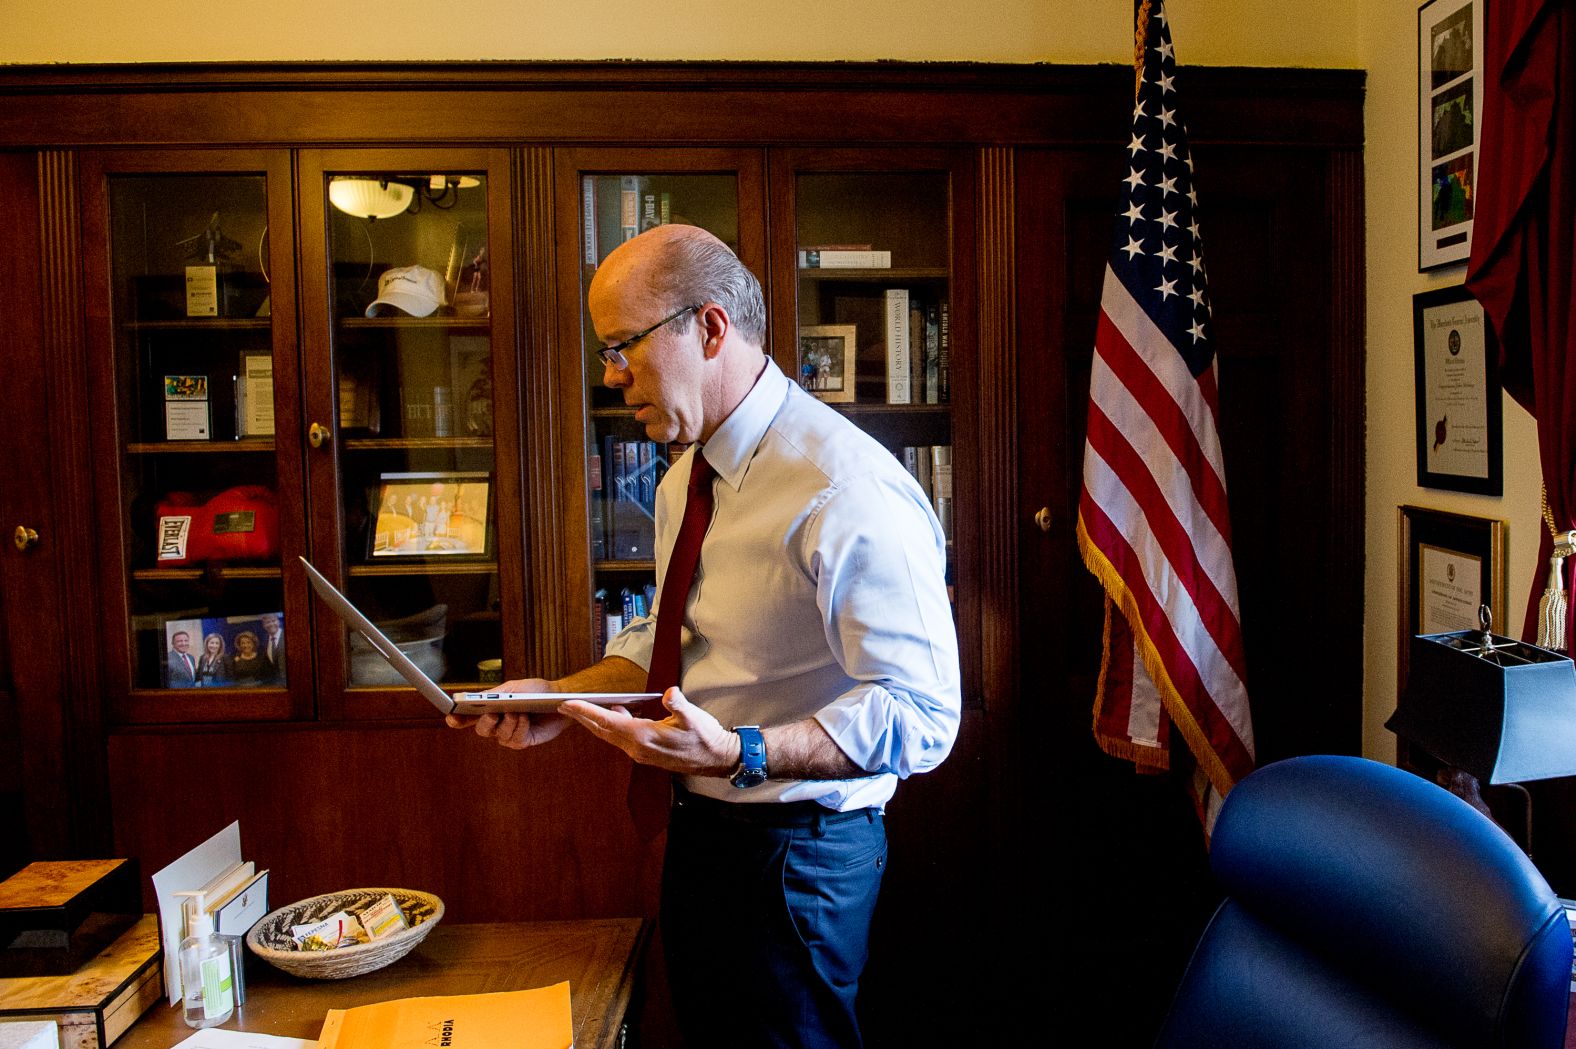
206 983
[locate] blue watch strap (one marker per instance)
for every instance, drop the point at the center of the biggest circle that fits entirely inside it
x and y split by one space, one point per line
752 757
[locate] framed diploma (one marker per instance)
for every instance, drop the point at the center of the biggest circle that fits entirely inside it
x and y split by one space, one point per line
1459 432
1450 565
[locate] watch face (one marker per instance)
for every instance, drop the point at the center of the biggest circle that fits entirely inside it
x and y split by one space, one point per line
749 778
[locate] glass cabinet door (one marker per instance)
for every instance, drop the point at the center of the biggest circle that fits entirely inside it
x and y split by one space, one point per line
410 301
199 487
621 194
870 321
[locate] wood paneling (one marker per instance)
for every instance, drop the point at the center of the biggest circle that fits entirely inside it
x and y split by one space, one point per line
499 835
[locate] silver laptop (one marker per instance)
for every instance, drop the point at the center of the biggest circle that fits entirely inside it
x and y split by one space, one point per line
463 702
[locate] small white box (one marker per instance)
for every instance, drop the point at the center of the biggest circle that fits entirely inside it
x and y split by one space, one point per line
29 1034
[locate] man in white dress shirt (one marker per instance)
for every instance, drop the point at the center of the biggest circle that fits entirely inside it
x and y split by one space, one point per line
819 656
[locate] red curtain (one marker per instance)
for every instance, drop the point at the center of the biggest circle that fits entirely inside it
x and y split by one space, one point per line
1524 234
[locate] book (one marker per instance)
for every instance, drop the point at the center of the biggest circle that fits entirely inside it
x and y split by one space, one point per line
634 533
629 192
647 487
916 354
899 381
612 459
838 259
917 462
609 217
650 217
598 499
943 353
538 1018
941 485
588 218
932 352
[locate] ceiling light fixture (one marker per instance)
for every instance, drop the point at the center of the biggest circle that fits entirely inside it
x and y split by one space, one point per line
384 197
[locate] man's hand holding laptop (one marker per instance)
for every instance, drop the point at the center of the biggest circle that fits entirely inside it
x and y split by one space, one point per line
515 731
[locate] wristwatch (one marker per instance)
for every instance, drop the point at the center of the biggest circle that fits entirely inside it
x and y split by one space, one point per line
752 757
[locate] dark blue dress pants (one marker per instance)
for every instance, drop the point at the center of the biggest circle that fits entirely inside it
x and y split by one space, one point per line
766 914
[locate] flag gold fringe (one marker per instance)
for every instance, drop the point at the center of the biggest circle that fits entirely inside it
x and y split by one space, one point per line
1181 717
1148 759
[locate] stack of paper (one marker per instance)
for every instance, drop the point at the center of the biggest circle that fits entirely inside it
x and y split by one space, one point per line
235 892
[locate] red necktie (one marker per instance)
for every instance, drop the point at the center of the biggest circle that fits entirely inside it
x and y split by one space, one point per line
649 785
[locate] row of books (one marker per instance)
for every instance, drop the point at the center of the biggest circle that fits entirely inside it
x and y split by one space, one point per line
614 209
918 339
610 612
931 466
624 476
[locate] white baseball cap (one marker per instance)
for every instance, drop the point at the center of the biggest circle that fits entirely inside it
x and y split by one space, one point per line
416 290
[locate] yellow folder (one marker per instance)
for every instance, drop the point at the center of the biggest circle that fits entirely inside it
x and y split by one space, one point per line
533 1019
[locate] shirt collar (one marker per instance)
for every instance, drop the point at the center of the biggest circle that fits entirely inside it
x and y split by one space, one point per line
733 445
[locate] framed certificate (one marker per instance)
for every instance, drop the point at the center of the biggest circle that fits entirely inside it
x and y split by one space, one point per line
1451 565
1460 440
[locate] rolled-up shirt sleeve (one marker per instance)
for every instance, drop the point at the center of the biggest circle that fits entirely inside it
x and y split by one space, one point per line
878 558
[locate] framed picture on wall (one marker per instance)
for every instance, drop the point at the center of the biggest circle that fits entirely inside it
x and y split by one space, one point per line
1460 436
1450 565
1449 103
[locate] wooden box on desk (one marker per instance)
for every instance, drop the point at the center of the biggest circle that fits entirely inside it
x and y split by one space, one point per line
55 915
95 1004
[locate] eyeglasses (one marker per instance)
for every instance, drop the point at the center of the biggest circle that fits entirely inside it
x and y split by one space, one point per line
614 354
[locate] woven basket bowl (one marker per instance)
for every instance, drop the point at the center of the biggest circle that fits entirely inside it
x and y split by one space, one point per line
270 938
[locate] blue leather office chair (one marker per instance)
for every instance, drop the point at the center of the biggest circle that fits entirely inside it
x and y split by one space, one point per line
1366 906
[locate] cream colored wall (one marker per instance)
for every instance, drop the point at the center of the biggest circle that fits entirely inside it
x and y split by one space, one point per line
1378 36
1214 32
1388 37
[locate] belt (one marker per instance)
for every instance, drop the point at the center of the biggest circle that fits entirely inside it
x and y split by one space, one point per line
768 813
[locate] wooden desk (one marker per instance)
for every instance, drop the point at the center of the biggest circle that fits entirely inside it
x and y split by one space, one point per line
597 957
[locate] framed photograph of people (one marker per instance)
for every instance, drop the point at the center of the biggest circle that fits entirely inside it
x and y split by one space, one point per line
1460 438
1449 103
434 514
225 652
826 361
1451 564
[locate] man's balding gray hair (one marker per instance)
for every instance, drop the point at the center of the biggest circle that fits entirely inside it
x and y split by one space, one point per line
699 268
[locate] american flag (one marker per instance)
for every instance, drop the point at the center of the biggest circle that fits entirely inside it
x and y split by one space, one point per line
1152 520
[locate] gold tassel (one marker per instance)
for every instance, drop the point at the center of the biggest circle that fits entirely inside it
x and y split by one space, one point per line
1551 609
1552 605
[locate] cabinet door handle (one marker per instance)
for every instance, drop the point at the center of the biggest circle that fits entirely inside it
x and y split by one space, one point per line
317 435
1043 518
25 538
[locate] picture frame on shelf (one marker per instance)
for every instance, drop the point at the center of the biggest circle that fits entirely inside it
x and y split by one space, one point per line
470 371
254 394
224 651
827 354
1460 434
1450 105
432 514
359 407
1450 564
